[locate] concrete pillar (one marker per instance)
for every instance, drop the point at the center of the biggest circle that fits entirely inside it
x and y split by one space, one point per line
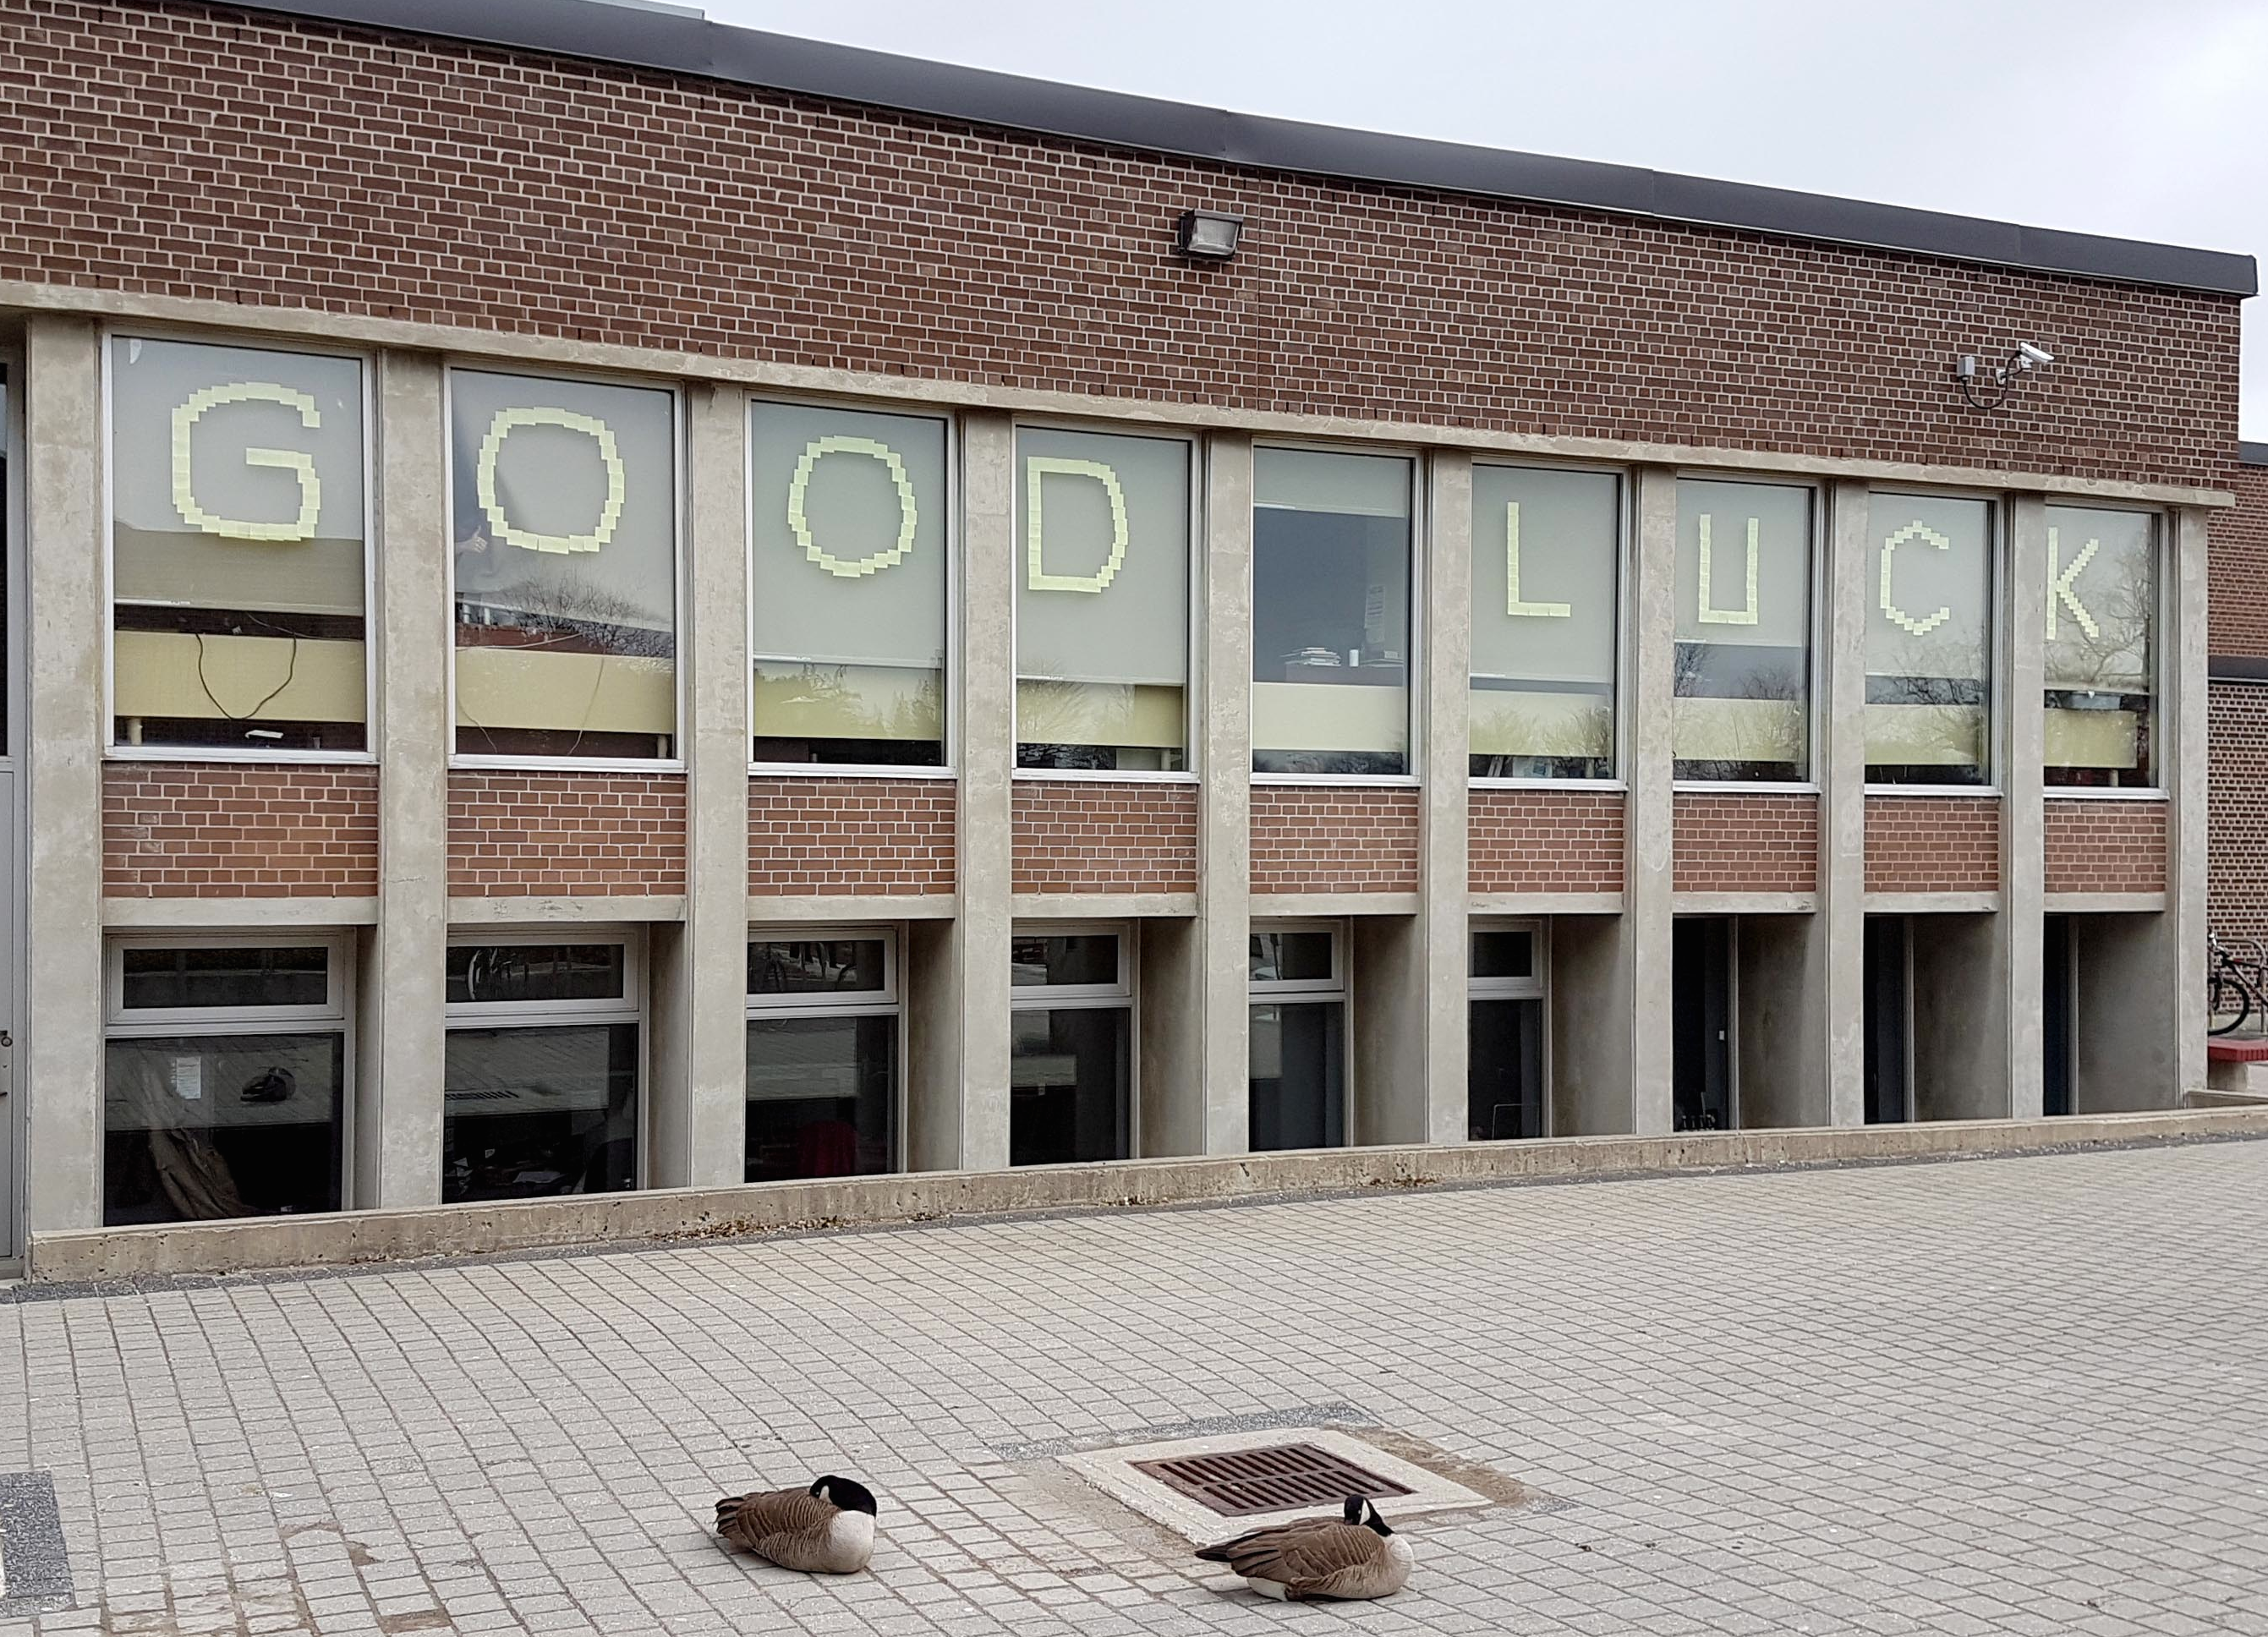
1170 1025
1836 935
1225 764
985 740
59 1051
1446 642
698 1127
399 1102
2023 851
2186 755
1649 763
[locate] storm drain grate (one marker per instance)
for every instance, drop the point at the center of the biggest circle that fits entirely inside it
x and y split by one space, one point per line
1277 1477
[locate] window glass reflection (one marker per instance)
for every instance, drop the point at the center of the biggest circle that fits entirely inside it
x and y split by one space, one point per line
2102 649
1297 1090
199 1128
1069 1079
534 1111
823 1096
224 974
1742 680
1546 544
1929 640
1504 1069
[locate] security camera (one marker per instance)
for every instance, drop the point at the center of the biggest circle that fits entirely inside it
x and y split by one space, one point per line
2032 355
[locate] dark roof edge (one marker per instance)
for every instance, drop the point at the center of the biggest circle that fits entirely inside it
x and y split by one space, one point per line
675 43
2252 454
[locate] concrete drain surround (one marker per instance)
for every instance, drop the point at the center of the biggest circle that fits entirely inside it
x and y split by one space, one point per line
1237 1467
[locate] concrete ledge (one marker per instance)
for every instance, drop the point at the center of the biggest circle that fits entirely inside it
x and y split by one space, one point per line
593 909
229 914
659 1215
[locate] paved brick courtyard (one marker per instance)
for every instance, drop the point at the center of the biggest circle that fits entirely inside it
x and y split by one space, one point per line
2022 1395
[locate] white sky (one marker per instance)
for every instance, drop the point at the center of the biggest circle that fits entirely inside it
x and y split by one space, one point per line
2145 119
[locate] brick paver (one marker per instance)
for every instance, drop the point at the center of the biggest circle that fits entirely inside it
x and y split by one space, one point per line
2017 1395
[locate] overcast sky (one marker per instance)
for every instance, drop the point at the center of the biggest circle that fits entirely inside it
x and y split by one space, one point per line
2147 119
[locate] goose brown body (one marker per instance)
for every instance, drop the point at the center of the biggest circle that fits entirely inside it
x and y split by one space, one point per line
800 1528
1319 1557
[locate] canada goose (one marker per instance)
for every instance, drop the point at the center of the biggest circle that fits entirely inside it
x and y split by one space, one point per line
828 1528
1356 1556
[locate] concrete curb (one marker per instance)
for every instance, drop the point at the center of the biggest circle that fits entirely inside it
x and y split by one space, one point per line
348 1238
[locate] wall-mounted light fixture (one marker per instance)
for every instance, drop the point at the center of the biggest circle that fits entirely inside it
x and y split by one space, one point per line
2005 376
1207 235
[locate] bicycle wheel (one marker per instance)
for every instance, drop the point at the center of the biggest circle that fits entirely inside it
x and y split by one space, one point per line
2230 995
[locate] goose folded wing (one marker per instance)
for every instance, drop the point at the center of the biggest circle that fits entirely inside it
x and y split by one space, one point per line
1299 1555
765 1523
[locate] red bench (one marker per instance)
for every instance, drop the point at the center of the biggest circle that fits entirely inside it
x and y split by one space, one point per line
2225 1050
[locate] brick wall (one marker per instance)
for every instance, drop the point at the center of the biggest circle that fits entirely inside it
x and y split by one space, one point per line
838 836
2236 810
2237 587
227 831
1316 839
1093 837
1745 843
1545 841
197 149
2106 846
556 834
1932 844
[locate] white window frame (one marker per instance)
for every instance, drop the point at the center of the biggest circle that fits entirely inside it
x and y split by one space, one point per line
1997 627
1537 987
115 749
888 1001
1118 997
951 613
2164 536
1192 601
630 1008
1334 987
680 467
335 1016
1625 573
1421 467
1816 630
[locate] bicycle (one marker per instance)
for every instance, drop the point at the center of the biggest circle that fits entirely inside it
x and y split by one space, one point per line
2232 992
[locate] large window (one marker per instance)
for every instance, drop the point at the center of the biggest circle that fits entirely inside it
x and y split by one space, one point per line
1330 613
238 520
1743 677
1296 1095
1072 1029
562 514
1103 601
847 594
543 1067
1546 545
823 1022
2102 653
1504 1076
1929 641
225 1078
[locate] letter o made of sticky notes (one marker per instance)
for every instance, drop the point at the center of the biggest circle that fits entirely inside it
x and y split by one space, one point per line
798 519
610 514
298 462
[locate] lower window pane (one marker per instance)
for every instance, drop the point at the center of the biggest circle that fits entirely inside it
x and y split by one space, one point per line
1069 1077
821 1092
1503 1073
200 1127
536 1111
1299 1075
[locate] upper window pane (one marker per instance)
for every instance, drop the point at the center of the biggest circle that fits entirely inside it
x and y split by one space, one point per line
502 974
801 966
225 974
1929 640
1330 613
1103 601
1743 677
237 539
1061 958
1285 957
564 515
1504 952
1545 546
2102 652
848 585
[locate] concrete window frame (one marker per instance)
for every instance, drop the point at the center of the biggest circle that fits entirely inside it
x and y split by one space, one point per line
887 1001
334 1014
365 359
681 473
947 415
